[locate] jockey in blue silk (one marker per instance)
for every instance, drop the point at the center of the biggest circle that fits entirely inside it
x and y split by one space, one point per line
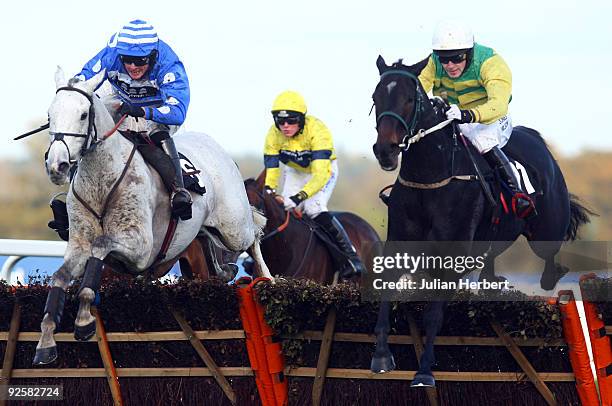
478 84
150 82
300 149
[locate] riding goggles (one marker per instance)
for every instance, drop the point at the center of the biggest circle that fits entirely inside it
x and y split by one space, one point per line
291 120
134 60
454 58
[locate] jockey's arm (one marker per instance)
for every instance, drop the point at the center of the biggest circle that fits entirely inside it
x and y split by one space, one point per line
174 88
497 80
100 61
272 160
321 146
321 172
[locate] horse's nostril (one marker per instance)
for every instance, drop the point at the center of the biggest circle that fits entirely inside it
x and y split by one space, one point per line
63 167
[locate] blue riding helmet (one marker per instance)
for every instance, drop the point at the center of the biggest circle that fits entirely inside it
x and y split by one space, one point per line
136 38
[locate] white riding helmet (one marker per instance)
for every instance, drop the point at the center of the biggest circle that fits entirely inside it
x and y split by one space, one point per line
452 35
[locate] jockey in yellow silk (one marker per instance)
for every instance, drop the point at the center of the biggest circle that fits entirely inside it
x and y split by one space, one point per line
300 149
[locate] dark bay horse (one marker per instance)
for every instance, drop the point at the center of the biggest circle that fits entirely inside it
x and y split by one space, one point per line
436 196
295 249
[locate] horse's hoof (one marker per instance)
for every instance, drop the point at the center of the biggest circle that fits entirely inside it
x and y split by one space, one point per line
382 364
45 356
423 381
549 280
228 272
84 333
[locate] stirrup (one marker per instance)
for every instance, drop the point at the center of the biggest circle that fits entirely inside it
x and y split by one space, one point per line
353 267
182 210
181 191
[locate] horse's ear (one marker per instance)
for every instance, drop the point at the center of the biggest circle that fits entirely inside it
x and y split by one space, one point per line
419 66
261 180
60 78
381 64
92 84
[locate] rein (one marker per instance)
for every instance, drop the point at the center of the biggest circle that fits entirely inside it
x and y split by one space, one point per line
91 141
298 215
100 216
91 136
278 229
407 141
413 136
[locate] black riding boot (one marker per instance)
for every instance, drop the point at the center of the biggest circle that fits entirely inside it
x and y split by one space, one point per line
522 205
181 198
335 229
60 218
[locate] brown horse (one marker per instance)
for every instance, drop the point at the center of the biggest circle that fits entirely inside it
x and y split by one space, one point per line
291 247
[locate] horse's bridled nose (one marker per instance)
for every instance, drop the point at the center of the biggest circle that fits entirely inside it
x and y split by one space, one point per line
375 149
63 167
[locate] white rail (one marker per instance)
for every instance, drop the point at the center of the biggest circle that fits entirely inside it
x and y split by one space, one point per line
18 249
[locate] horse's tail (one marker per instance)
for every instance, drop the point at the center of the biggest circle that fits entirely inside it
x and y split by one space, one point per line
579 215
260 221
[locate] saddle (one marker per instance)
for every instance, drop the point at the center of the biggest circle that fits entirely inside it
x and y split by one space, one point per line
162 163
320 233
523 149
520 152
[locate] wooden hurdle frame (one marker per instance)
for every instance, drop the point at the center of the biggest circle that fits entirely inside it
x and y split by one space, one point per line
327 337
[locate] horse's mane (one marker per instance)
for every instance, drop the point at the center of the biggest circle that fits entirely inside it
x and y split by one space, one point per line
399 64
73 81
416 68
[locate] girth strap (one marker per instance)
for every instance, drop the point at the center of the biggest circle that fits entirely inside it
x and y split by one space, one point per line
435 185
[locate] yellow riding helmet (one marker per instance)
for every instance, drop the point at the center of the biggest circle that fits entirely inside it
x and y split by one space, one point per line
289 101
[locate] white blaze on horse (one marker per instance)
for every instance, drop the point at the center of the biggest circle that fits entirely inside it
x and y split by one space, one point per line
129 207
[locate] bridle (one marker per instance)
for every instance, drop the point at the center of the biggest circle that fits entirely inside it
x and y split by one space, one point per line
91 141
91 137
411 135
417 110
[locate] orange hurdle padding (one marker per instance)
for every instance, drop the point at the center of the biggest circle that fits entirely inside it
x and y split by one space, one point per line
274 354
578 354
255 347
600 344
265 354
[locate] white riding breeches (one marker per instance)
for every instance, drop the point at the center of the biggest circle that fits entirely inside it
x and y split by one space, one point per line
293 181
486 136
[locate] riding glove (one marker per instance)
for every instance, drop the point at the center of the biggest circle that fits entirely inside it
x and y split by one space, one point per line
463 116
289 204
130 110
295 200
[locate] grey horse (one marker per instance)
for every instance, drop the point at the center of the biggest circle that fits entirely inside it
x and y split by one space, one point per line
129 208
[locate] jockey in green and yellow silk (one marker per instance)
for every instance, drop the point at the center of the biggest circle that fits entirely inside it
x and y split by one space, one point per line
477 83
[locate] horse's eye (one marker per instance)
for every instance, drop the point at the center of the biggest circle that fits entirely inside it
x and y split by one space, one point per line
83 116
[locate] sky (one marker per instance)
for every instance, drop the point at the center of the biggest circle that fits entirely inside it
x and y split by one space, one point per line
240 54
